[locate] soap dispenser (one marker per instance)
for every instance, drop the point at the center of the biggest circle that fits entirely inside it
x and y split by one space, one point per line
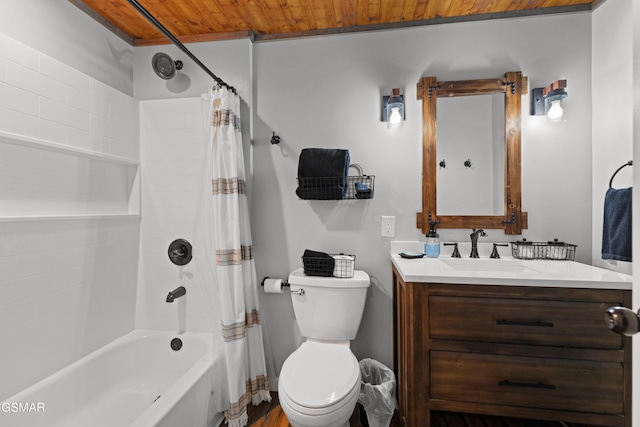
432 245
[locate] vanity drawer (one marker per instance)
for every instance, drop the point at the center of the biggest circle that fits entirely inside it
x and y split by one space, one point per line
567 385
521 321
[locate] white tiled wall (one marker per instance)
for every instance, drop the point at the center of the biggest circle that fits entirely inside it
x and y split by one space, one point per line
41 182
67 287
173 147
44 98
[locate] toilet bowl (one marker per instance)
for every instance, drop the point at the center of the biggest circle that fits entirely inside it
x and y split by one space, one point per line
319 385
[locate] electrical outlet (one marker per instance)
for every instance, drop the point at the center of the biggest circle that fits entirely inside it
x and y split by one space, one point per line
388 226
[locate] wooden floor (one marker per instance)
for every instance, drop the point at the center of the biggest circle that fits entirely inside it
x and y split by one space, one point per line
270 414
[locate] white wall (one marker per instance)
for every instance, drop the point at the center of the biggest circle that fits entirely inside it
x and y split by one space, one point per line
61 30
612 124
68 286
326 92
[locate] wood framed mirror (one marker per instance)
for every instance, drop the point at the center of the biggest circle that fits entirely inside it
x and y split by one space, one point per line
511 219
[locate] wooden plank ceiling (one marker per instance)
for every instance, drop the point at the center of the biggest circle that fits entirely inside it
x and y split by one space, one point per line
201 20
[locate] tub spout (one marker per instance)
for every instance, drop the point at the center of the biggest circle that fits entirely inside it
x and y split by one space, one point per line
176 293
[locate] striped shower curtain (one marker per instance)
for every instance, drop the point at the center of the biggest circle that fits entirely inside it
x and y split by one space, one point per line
234 266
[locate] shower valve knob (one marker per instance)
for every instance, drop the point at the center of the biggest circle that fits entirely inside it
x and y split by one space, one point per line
180 252
622 320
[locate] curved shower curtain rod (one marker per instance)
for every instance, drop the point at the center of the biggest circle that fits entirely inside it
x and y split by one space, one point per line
179 44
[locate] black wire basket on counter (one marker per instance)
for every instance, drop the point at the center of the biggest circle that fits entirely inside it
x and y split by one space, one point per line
554 250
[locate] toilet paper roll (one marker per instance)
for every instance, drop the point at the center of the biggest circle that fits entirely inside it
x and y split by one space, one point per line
273 286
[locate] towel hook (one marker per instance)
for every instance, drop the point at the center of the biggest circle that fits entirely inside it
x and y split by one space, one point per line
629 163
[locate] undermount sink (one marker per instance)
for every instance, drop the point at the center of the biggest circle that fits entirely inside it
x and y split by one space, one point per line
490 265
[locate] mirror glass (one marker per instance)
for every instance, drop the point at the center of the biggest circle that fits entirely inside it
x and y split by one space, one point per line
470 139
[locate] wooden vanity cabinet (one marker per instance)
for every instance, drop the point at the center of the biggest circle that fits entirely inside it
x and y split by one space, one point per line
515 351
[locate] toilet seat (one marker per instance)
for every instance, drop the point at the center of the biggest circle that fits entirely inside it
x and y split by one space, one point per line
318 376
322 416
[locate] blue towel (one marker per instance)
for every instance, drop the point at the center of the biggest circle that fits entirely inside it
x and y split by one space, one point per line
616 230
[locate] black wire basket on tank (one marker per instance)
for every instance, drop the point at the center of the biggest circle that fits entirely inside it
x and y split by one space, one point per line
328 265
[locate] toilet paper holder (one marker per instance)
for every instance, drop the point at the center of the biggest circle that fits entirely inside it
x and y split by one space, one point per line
285 284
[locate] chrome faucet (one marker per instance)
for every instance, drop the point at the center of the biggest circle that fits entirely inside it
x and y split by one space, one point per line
474 242
176 293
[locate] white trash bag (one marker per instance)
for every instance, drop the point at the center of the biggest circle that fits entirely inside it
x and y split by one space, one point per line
377 392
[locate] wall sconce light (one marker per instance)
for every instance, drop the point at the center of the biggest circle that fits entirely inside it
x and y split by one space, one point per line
548 100
393 109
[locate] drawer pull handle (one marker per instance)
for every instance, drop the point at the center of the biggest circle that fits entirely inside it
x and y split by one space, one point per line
517 323
507 383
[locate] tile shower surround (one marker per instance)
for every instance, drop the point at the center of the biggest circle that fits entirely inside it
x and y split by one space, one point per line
68 287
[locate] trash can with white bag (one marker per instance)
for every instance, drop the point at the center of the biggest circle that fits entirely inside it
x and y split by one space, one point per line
377 392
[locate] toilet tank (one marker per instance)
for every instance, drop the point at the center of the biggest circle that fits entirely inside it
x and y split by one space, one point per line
331 308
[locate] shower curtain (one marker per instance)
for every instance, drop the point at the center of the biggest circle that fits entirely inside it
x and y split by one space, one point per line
228 237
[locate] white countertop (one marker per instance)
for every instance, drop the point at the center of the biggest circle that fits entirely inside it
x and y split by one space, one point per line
508 271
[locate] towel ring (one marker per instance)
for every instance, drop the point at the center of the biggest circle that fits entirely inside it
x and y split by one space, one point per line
629 163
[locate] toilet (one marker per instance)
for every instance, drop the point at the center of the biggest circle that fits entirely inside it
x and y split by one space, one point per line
319 382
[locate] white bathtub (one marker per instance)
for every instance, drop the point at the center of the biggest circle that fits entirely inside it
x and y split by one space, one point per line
137 380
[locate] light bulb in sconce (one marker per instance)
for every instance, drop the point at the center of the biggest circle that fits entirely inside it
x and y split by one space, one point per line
549 101
393 109
555 113
395 119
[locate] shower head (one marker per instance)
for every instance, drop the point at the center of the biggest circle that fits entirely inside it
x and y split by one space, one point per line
164 66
